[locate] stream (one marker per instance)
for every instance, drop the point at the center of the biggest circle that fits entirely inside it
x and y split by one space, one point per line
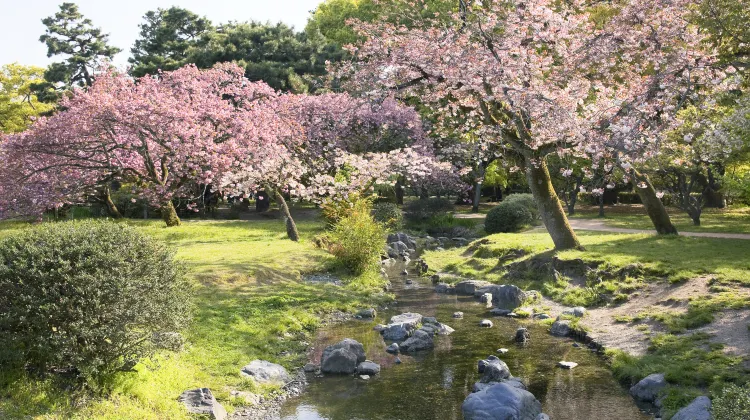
433 384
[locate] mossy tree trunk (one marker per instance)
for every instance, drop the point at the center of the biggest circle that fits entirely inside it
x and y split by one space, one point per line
399 191
169 214
291 227
478 189
654 207
549 205
111 207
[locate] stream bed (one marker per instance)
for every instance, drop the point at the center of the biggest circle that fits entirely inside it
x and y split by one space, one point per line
433 384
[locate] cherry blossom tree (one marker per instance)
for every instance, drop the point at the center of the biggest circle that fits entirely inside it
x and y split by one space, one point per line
161 135
510 70
337 146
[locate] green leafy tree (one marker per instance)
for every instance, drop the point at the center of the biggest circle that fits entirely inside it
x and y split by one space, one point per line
275 54
331 17
72 35
18 104
167 35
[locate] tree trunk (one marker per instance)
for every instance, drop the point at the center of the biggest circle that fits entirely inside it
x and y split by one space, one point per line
549 206
654 207
169 214
572 199
399 192
291 227
111 207
601 205
478 190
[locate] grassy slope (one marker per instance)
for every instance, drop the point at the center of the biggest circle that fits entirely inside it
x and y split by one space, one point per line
250 304
691 361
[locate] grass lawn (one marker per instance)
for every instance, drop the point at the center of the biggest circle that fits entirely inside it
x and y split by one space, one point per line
730 220
250 304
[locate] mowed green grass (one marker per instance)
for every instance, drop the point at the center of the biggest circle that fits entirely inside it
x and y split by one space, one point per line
729 220
250 304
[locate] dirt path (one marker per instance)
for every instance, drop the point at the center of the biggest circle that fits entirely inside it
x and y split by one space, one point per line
600 226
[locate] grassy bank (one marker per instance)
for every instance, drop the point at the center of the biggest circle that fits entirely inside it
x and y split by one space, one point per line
250 304
694 362
729 220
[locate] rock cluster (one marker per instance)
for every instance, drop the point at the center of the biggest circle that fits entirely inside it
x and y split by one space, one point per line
342 357
500 396
413 332
400 245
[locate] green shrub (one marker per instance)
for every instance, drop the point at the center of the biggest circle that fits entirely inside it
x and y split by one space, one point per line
357 240
86 298
527 200
389 214
450 226
422 210
733 402
509 216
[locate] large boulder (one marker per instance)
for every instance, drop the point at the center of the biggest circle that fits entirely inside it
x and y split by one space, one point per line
202 401
444 288
649 388
506 296
468 287
560 328
408 318
263 372
402 237
501 401
399 247
699 409
420 340
342 357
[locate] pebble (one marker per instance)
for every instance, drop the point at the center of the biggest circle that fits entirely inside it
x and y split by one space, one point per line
486 323
398 360
365 377
458 315
502 351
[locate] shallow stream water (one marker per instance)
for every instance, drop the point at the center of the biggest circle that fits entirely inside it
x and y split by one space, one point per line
433 384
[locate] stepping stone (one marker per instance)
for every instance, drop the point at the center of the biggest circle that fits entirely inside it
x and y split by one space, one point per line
485 323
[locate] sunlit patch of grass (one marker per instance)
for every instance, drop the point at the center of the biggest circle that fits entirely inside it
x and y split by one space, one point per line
729 220
250 304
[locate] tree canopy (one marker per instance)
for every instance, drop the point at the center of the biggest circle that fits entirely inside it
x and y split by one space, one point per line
18 104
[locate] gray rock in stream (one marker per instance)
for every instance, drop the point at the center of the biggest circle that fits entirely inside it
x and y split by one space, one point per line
342 357
368 368
393 348
501 401
495 370
699 409
468 287
202 401
560 328
401 326
420 340
266 372
649 388
506 296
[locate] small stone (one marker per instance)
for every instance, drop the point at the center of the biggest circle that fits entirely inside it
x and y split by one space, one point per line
368 368
364 377
409 281
576 345
560 328
379 327
404 273
397 360
522 335
485 323
502 351
202 401
500 312
567 365
367 313
435 278
393 348
458 315
542 316
310 367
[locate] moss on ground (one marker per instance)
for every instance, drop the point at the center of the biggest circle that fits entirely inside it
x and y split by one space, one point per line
251 304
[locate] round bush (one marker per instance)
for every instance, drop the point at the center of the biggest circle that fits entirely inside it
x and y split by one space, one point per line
424 209
389 214
508 217
733 402
86 298
527 200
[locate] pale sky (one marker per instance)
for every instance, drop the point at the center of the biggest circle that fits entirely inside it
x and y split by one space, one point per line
21 21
